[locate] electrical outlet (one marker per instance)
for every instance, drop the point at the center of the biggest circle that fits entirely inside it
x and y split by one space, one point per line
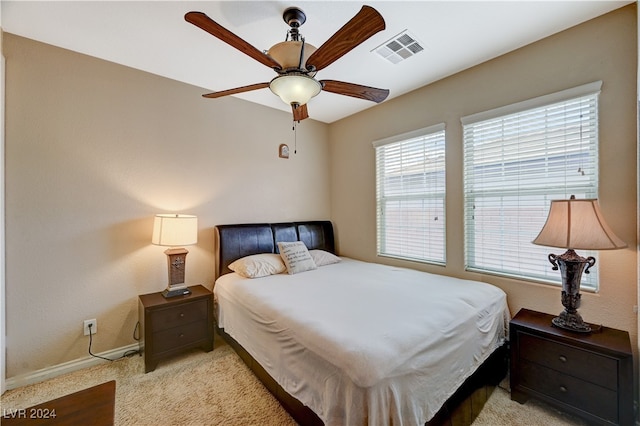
94 326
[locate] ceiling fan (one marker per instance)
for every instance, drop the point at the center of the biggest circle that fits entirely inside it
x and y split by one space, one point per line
297 62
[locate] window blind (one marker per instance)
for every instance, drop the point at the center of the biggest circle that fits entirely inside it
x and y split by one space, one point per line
514 165
410 195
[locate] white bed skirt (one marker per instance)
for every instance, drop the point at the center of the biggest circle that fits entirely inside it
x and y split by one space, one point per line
362 343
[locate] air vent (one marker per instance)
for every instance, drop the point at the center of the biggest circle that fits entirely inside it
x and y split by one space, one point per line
399 48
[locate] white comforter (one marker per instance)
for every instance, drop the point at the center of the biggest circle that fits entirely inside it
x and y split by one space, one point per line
363 343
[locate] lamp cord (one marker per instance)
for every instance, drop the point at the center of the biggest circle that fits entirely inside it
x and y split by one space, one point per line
127 354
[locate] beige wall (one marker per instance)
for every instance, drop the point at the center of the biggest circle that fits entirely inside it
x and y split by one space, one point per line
603 49
93 151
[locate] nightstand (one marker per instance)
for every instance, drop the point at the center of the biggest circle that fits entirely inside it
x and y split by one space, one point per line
589 375
174 325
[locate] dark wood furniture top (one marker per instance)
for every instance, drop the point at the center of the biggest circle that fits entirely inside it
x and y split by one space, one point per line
588 375
169 326
93 406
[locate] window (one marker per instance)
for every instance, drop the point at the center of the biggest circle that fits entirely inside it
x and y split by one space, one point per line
516 160
410 195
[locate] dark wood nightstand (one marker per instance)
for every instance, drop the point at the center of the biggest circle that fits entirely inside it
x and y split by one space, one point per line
589 375
174 325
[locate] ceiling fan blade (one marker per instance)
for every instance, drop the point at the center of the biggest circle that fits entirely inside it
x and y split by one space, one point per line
300 112
366 23
236 90
202 21
355 90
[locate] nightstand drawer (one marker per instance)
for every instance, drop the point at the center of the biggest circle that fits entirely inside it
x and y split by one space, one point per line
179 336
181 314
589 366
569 390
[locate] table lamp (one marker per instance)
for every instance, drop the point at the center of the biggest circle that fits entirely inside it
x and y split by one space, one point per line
575 224
175 231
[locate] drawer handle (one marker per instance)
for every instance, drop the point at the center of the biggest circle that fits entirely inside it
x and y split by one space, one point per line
181 314
181 335
563 389
563 358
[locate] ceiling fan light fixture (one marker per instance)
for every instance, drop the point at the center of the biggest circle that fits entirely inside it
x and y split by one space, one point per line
295 88
296 83
287 53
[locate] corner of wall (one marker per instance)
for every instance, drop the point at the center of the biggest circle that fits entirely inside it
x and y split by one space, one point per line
638 179
2 260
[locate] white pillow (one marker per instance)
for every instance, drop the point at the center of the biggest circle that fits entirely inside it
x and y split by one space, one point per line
321 257
296 257
258 265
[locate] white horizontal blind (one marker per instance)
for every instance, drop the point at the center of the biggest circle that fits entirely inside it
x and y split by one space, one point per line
410 194
514 165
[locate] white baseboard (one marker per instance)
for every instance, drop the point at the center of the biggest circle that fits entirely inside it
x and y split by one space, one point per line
66 367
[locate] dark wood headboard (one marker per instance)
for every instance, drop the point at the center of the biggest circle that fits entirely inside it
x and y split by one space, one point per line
236 241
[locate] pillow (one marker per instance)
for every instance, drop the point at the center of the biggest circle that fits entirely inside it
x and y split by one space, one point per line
296 257
258 265
321 257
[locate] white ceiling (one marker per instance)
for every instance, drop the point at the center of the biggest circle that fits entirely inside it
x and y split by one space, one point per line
153 36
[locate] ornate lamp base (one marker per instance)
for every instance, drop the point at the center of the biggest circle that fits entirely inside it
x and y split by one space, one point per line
571 321
571 267
176 260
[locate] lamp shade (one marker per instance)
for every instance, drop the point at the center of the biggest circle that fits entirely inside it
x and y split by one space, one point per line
577 224
175 230
295 88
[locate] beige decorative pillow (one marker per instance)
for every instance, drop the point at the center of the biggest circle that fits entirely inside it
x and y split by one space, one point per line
321 257
296 257
258 265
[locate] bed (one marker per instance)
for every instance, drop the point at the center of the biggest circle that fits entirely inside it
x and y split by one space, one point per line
352 342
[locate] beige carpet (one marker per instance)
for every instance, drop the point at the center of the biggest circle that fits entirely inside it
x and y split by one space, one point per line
216 388
500 410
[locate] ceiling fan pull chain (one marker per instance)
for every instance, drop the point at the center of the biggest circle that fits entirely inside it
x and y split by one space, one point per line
295 136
